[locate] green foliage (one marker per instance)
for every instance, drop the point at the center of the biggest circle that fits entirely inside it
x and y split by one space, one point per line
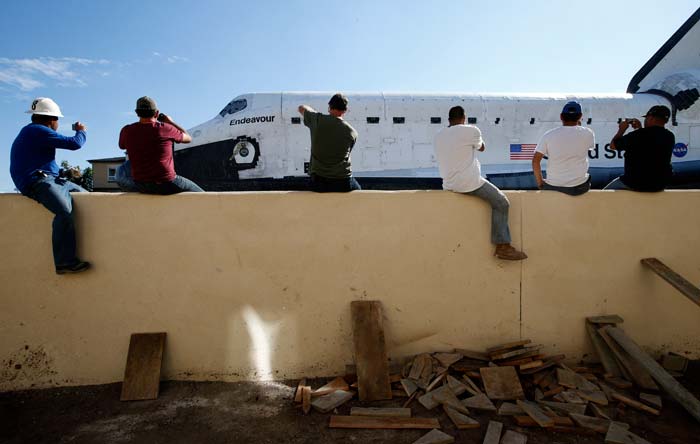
76 175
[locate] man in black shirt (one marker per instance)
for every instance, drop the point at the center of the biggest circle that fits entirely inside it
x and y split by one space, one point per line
647 152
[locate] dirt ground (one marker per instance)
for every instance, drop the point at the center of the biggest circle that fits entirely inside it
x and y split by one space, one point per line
216 412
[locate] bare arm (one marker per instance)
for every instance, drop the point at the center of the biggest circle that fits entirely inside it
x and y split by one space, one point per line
186 138
305 108
537 168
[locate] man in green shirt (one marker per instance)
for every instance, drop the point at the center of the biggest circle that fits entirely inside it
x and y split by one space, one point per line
332 139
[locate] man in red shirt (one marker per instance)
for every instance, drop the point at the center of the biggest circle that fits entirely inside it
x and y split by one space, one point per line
149 143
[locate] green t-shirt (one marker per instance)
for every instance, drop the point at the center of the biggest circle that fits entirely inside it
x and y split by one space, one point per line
332 139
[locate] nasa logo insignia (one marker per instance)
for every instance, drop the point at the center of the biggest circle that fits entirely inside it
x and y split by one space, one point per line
680 150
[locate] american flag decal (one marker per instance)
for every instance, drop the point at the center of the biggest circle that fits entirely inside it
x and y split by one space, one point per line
523 151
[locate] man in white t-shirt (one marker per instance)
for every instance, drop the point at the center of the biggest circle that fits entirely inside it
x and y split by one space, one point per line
455 149
566 149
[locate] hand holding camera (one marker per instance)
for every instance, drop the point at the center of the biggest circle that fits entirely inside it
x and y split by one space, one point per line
164 118
78 126
634 123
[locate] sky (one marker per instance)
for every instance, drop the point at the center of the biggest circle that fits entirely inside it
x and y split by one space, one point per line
95 58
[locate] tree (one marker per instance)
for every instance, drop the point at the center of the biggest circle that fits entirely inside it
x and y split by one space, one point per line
75 175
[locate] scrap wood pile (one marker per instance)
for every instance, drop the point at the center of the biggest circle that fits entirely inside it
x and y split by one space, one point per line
518 386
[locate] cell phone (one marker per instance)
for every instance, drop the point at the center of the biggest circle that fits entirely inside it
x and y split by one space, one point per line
75 126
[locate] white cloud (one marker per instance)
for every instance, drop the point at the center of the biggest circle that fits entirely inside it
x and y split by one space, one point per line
29 74
176 59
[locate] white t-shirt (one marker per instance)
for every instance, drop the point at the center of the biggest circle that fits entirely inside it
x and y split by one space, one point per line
566 148
455 150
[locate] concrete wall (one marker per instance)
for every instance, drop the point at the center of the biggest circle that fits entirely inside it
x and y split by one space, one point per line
258 285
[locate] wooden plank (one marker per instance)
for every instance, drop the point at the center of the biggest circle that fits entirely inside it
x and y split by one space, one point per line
510 409
521 353
599 412
652 400
507 346
456 385
297 393
571 397
428 400
381 412
474 389
326 403
535 413
143 365
511 437
606 319
676 280
530 365
461 421
447 359
447 398
435 437
603 351
556 390
618 434
573 379
564 407
409 386
470 354
306 399
333 386
549 362
493 432
636 404
639 375
368 422
501 383
527 421
479 402
370 351
596 396
599 425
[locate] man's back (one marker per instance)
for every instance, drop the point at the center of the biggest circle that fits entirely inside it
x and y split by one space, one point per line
150 146
455 150
332 140
566 148
648 154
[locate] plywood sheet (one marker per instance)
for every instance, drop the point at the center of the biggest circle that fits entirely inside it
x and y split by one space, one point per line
143 364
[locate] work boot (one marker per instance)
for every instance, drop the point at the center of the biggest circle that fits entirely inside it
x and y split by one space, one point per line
508 253
77 267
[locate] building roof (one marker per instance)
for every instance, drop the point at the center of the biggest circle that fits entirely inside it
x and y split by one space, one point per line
108 159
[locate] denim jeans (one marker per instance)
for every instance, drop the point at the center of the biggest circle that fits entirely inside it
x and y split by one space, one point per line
500 233
124 179
617 184
53 193
325 185
571 191
178 185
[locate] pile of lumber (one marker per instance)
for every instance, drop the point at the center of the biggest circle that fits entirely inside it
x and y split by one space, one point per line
516 385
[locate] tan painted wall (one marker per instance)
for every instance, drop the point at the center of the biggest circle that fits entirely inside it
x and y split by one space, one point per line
258 285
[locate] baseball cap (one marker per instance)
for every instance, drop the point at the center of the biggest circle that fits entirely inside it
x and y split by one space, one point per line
571 108
659 111
339 102
146 103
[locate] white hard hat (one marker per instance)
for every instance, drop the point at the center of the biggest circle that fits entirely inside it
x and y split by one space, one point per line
45 107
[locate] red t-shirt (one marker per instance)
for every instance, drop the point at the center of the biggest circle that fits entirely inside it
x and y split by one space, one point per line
150 149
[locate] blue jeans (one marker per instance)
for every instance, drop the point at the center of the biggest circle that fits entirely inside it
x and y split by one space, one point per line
178 185
53 193
124 179
571 191
500 233
326 185
617 184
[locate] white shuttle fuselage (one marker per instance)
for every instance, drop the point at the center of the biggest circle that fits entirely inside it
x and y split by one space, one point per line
262 136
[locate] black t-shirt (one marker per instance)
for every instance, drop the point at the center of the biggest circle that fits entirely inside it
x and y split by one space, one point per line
647 158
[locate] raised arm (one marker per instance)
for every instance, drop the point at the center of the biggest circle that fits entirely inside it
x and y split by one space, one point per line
305 108
186 138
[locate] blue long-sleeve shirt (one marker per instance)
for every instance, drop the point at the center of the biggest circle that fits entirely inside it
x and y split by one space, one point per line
34 149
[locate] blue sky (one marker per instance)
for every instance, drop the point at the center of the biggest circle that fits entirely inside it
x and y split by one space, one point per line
95 58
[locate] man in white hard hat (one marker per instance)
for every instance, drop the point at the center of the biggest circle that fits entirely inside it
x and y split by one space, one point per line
35 173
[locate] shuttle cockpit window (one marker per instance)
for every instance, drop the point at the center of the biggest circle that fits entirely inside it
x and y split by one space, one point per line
234 106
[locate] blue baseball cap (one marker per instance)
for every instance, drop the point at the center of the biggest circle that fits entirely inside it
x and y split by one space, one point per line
571 108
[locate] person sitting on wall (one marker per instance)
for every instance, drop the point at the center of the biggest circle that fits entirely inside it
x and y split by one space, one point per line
332 140
36 175
647 150
123 177
455 150
566 149
149 145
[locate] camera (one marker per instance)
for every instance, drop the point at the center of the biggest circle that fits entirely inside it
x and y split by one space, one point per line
74 127
162 117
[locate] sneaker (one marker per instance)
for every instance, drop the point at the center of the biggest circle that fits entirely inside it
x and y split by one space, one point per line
75 268
508 253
